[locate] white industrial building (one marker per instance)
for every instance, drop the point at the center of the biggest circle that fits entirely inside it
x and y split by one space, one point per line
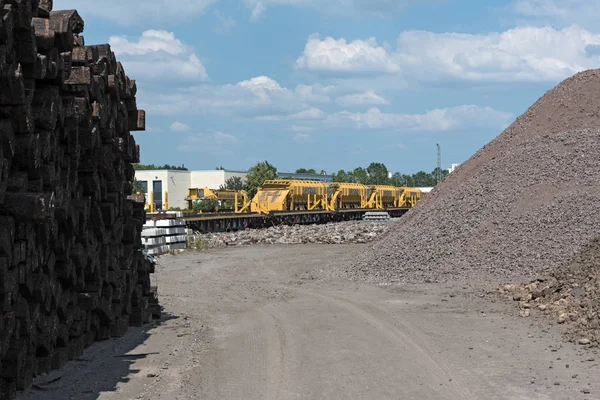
453 167
168 188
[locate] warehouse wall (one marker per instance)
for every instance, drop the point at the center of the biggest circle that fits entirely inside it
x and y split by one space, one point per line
209 179
177 183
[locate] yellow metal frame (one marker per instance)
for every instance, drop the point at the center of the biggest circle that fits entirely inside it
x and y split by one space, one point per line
348 195
239 197
295 195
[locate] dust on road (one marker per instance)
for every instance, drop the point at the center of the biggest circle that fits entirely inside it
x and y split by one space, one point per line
266 323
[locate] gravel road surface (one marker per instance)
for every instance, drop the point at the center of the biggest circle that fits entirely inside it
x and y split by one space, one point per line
267 323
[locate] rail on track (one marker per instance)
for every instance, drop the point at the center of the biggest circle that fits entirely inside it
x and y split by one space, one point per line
228 222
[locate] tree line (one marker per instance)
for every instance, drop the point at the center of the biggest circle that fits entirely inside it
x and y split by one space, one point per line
374 174
378 174
148 167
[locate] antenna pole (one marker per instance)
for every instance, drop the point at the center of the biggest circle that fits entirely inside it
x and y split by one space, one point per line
439 163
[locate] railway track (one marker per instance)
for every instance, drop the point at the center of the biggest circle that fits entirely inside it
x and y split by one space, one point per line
229 222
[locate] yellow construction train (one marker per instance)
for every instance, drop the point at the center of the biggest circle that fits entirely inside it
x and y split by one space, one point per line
305 196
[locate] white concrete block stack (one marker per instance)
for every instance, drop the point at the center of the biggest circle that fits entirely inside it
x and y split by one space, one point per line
159 236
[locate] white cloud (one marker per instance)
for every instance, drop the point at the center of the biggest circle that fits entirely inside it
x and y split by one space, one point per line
360 99
376 7
519 54
529 53
309 113
256 96
302 128
225 24
561 12
158 54
129 12
215 143
179 127
438 120
314 93
302 138
330 54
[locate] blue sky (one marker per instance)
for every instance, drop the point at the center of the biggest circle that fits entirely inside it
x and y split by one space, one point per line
337 84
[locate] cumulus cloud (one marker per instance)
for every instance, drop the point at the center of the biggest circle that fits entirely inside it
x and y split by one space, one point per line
179 127
257 96
214 143
526 53
438 120
314 93
519 54
360 99
158 54
359 56
129 12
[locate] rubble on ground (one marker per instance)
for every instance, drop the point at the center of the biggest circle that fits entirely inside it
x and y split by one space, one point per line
569 297
332 233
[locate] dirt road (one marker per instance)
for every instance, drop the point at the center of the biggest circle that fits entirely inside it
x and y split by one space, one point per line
259 323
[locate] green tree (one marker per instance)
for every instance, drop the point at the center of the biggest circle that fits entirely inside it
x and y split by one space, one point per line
257 175
204 205
378 174
146 167
305 171
342 176
360 175
137 187
423 179
233 183
398 180
434 174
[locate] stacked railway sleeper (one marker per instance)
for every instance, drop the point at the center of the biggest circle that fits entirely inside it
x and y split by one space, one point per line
71 269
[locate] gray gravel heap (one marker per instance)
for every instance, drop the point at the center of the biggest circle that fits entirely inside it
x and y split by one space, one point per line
334 233
522 206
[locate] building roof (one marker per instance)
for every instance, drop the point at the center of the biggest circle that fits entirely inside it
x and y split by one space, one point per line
188 171
305 177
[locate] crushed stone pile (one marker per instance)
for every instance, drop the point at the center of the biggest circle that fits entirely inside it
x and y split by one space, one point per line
522 206
333 233
570 296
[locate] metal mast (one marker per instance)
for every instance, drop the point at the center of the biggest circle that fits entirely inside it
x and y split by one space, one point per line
439 163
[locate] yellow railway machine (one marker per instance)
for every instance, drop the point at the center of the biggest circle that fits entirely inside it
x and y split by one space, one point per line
409 197
237 198
290 195
348 196
383 197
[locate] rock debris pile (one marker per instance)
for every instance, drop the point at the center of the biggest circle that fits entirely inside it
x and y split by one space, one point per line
521 207
71 270
570 296
334 233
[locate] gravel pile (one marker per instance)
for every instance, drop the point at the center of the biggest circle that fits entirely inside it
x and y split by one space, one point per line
334 233
570 296
522 206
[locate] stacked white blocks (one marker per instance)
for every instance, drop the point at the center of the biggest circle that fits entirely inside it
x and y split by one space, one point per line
161 235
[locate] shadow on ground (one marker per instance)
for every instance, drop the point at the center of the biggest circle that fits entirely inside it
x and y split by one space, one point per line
80 379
